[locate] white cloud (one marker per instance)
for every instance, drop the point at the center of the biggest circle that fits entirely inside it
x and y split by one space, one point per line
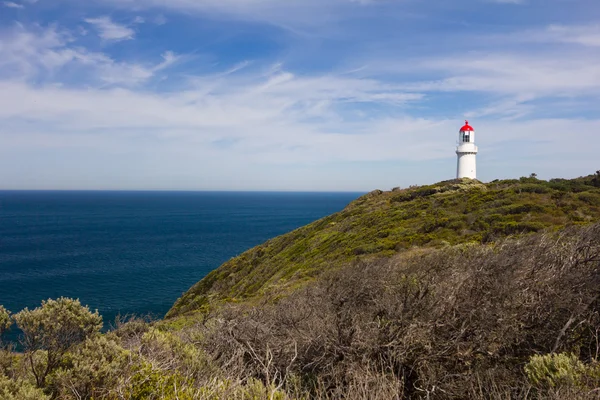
263 119
506 85
11 4
514 107
530 74
169 58
23 52
248 138
30 54
110 30
583 35
253 126
295 15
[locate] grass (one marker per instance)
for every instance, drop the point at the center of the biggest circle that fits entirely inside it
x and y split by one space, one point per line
381 224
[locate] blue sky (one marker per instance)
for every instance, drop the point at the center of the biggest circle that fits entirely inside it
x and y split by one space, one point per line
321 95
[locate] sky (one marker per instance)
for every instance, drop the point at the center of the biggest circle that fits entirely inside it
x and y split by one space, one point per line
294 95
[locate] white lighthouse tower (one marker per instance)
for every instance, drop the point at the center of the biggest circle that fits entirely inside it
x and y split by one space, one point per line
467 153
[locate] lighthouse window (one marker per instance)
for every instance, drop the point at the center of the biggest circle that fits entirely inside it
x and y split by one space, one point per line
467 138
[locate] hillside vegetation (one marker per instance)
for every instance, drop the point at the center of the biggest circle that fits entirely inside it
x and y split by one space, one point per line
519 319
458 290
381 224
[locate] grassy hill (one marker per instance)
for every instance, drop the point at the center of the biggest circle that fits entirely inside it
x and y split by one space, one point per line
381 224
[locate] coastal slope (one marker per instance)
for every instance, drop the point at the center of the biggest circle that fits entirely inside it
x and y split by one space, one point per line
382 224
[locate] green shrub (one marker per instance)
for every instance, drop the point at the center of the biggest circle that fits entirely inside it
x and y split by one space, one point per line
253 389
522 209
516 228
151 383
19 390
256 390
534 188
431 225
559 184
130 327
5 320
93 369
425 191
53 329
591 198
167 348
556 370
457 225
596 179
530 179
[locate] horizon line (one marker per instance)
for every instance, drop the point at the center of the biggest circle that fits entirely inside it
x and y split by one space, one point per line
185 191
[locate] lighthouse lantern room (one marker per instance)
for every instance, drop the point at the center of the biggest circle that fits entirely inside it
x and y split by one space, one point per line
467 153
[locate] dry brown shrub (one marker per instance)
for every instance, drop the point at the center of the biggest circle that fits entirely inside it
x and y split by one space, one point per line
445 323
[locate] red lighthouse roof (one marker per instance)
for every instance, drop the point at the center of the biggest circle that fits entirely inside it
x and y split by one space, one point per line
467 127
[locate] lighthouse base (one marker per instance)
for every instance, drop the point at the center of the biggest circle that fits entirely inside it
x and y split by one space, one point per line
467 165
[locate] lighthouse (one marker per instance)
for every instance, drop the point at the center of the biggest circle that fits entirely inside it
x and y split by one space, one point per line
467 153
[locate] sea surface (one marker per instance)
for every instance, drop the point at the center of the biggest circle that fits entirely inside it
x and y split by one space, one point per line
135 252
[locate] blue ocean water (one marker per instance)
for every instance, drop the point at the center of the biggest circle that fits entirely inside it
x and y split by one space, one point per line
135 252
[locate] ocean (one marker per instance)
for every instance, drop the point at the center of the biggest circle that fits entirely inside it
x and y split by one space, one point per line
128 253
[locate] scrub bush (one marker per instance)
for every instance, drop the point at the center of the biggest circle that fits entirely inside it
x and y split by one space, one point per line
92 370
5 321
53 329
19 389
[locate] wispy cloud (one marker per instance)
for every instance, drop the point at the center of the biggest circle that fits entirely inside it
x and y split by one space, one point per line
33 54
514 73
110 30
11 4
173 135
289 14
583 35
247 106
